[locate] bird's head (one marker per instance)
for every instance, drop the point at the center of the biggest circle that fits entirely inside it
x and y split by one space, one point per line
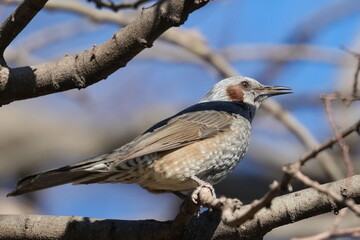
242 89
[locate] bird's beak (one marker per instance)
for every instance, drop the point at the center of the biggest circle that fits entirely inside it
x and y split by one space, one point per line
273 90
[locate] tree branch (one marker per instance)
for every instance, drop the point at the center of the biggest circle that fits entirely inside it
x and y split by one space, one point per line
16 22
344 147
329 143
93 65
355 92
335 196
284 210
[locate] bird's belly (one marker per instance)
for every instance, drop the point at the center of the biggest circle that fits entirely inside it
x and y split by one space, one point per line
210 160
224 161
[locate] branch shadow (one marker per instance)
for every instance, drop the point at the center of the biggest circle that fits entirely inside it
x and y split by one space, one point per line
201 227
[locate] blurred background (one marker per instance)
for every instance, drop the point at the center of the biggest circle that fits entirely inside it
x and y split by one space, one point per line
292 43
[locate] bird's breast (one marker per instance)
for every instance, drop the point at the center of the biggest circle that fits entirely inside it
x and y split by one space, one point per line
232 147
209 159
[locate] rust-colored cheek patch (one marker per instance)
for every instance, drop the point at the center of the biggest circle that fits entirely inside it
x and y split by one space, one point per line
235 93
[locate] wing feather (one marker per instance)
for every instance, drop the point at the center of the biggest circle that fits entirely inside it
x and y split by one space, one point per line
180 131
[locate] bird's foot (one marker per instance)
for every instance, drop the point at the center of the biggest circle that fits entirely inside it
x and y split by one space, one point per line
202 184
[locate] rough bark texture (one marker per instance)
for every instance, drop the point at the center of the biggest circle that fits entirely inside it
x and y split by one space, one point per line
284 210
93 65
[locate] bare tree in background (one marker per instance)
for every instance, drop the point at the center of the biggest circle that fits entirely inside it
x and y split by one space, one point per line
228 219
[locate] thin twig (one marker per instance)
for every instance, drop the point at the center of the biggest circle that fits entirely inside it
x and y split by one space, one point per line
355 92
227 206
340 216
304 135
345 148
256 206
329 143
291 169
207 199
347 99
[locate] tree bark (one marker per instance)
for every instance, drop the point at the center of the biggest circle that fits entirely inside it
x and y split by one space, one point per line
284 210
97 63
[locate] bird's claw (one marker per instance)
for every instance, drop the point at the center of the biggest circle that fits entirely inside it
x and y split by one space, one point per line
195 194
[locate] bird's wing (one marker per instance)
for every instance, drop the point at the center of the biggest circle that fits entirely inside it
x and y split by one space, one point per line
180 131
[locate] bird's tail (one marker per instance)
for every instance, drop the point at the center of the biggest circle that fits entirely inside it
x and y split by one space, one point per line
47 179
89 171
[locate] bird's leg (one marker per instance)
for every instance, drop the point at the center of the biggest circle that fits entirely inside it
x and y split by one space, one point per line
202 184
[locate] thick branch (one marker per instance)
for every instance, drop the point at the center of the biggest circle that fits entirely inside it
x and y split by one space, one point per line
16 22
93 65
284 210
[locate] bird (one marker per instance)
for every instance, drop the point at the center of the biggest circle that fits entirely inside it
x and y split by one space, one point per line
199 146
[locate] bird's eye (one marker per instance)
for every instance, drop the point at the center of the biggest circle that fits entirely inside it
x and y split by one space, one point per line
245 84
